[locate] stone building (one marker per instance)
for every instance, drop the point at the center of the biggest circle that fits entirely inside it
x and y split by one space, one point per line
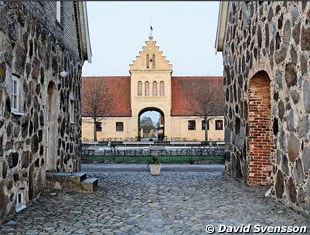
43 47
266 53
151 87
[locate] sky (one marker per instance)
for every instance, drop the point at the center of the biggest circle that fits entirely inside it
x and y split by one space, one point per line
184 31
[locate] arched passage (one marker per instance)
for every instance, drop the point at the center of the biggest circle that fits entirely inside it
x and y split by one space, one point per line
160 125
260 135
51 127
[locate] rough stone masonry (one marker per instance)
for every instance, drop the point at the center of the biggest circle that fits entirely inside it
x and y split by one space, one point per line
266 51
34 48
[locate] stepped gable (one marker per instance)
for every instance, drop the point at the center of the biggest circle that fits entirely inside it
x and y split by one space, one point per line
119 90
150 49
180 93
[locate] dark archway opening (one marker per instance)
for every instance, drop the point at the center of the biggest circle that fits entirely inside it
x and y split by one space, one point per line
151 124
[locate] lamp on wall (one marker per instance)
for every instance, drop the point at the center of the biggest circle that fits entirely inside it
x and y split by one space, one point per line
62 73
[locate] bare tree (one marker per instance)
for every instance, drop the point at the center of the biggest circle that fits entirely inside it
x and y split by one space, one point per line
206 99
97 102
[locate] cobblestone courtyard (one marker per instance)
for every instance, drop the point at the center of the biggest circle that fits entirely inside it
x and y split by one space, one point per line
134 202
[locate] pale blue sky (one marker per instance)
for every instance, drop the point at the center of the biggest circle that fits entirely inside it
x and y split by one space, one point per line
184 31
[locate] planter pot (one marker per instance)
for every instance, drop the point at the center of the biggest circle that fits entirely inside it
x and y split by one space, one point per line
155 169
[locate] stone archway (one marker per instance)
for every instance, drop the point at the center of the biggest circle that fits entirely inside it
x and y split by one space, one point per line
260 143
51 120
160 129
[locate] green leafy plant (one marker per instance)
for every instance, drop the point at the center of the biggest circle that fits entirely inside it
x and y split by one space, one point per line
154 160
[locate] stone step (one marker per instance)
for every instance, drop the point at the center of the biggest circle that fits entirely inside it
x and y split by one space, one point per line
74 176
74 182
89 184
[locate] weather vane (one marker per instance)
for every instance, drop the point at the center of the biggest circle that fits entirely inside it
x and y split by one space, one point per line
151 28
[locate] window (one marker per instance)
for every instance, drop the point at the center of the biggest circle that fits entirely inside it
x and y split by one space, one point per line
1 106
147 88
139 88
119 126
218 125
191 125
59 11
154 88
15 94
147 61
98 126
161 88
203 125
20 200
153 61
71 110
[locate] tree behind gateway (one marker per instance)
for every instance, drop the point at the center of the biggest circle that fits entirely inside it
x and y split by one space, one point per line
97 102
203 98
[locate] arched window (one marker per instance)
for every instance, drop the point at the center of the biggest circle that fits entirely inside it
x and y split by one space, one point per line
153 61
162 88
139 88
147 88
147 61
154 88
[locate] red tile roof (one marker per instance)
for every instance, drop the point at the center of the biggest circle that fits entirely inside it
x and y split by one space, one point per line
118 90
183 95
182 92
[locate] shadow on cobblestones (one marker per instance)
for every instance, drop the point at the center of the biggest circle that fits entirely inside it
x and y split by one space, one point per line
138 203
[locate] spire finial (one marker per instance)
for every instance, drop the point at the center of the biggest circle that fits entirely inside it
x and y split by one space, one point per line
151 28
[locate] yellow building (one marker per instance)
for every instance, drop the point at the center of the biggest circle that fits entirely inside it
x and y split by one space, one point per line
151 87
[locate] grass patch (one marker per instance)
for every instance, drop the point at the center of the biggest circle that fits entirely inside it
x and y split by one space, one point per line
144 159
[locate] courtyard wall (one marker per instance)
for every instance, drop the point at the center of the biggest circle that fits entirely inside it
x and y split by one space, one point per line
270 41
35 47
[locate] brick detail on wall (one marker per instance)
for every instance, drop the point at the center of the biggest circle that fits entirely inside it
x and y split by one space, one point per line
270 36
260 142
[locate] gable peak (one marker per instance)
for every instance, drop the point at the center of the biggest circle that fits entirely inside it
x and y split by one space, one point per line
150 58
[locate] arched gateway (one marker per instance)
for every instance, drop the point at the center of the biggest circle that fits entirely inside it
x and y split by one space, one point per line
151 86
160 126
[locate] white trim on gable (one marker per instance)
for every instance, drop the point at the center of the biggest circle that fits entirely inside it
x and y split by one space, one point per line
58 11
83 24
221 25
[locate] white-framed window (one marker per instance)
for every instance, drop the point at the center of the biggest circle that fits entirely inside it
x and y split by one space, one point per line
162 88
139 88
20 200
154 88
1 103
15 94
71 110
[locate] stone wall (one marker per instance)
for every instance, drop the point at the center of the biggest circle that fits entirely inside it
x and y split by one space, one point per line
271 41
34 50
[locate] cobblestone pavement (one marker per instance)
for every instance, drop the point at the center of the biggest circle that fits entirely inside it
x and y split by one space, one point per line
182 202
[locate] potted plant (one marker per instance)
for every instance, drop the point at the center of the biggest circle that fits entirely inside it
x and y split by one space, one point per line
154 165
